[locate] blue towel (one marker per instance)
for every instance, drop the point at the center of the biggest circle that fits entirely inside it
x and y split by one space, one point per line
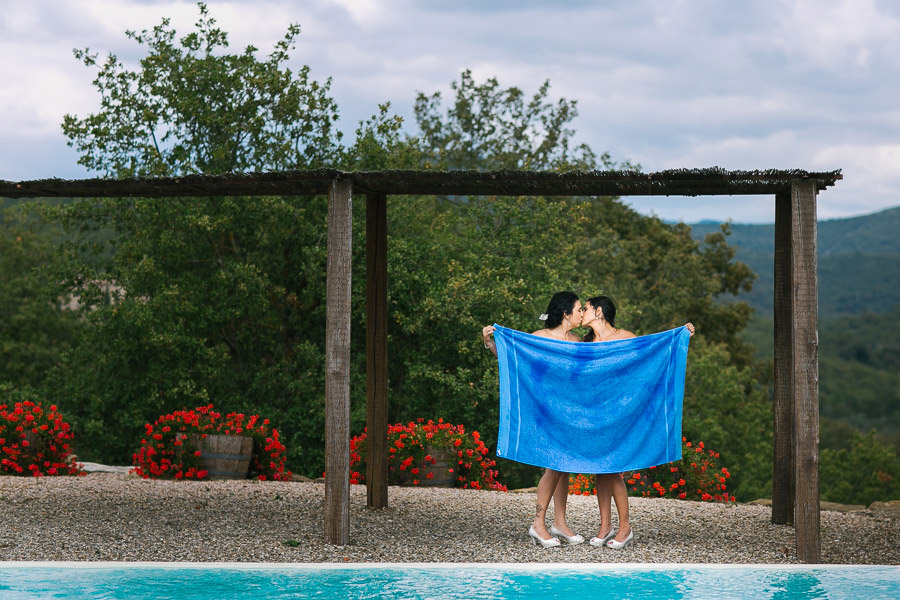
581 407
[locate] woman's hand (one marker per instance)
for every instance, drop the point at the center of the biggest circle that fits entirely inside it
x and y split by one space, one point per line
690 328
487 334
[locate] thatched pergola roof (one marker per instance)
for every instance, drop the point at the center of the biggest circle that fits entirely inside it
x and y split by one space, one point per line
679 182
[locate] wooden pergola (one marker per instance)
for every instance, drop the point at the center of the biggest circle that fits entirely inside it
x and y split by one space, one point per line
795 477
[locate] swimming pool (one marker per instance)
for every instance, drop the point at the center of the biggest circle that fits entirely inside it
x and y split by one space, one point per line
219 581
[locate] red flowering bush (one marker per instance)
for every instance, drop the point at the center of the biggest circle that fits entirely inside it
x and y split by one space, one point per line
582 485
697 476
169 448
34 441
422 452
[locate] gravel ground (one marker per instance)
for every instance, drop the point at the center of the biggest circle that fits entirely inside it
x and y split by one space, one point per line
119 517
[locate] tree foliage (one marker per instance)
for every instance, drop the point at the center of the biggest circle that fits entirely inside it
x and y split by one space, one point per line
221 300
488 127
725 407
866 472
34 326
191 108
660 277
455 270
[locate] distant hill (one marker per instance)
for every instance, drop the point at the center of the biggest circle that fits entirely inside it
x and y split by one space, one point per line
859 262
878 233
859 317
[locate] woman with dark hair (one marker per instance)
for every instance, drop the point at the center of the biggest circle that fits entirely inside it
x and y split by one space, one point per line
599 314
563 314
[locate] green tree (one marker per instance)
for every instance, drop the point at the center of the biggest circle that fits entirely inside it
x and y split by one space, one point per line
487 127
218 300
221 300
489 260
725 408
660 277
193 108
860 373
34 326
867 471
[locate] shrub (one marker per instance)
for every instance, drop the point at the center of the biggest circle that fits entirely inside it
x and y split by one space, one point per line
727 408
866 472
168 449
33 441
697 476
417 446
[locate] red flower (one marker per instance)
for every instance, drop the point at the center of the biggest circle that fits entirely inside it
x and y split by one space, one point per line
689 480
46 453
172 452
420 437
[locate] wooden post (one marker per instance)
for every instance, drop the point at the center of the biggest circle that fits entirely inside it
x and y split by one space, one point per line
805 313
376 352
337 363
783 404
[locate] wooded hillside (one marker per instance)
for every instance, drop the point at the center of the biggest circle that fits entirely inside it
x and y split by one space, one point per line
859 310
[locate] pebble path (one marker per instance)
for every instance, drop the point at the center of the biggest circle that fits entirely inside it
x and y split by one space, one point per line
113 516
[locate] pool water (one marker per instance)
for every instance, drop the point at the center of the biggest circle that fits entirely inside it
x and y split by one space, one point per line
219 581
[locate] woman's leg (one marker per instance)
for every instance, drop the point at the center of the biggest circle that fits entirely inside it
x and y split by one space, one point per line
546 489
560 498
620 494
603 484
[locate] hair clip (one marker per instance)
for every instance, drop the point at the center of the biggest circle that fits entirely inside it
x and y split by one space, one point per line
543 317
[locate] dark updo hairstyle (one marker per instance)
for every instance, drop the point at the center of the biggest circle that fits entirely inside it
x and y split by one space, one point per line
561 304
605 306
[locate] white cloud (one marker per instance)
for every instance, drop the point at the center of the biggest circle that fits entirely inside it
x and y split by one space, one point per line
367 14
870 172
839 33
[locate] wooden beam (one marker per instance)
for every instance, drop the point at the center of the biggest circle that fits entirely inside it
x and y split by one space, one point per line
337 363
783 405
805 313
376 352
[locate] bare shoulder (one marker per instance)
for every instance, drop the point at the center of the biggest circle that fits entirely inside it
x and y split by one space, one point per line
541 332
623 334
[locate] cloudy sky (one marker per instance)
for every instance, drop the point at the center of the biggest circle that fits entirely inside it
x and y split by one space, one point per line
808 84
